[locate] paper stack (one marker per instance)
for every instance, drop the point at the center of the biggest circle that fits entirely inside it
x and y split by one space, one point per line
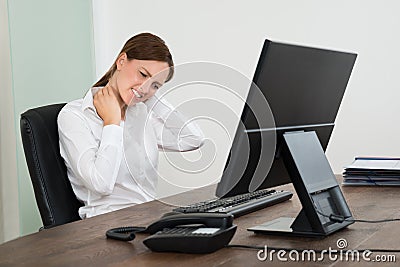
373 171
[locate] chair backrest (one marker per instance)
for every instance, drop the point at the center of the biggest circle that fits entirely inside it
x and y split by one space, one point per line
55 199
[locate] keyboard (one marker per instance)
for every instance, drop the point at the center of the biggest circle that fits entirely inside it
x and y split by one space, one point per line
240 204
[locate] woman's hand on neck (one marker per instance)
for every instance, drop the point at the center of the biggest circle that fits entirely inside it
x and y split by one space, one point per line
107 106
113 84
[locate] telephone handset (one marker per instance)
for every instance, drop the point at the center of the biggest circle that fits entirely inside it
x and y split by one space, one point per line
187 233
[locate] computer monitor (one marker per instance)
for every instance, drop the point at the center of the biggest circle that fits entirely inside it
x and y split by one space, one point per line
303 87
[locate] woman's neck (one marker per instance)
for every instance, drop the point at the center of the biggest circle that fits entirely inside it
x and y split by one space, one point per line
114 86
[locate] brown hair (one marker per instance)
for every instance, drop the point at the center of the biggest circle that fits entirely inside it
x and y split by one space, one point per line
144 46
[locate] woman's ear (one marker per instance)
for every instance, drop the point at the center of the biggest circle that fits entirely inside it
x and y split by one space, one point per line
121 60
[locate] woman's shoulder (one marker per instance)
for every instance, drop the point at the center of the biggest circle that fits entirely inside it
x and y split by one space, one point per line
79 105
71 110
80 111
74 106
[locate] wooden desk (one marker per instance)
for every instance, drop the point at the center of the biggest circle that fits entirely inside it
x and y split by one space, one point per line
83 243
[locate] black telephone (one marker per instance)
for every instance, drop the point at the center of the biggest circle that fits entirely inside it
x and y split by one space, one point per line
186 233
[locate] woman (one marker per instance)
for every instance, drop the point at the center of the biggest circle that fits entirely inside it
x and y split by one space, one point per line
109 139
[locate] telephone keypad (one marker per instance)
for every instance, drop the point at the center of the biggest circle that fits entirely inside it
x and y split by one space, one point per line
186 231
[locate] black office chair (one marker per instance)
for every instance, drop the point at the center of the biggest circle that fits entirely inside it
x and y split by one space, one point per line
55 199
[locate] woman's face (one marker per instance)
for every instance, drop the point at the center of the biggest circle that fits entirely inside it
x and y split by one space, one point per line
138 80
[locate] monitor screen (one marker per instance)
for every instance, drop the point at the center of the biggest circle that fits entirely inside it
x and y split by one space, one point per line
303 87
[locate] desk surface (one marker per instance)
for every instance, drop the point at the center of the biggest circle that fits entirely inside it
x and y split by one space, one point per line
83 243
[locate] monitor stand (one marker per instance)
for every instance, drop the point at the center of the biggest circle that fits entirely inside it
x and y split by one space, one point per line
316 187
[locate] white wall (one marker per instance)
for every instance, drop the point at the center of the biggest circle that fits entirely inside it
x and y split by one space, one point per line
232 33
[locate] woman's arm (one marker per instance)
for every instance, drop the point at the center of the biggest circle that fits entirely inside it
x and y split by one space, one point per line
94 163
173 130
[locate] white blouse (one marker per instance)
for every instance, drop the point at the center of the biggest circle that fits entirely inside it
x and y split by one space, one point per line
113 167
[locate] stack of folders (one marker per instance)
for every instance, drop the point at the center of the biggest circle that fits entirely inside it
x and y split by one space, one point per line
373 171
